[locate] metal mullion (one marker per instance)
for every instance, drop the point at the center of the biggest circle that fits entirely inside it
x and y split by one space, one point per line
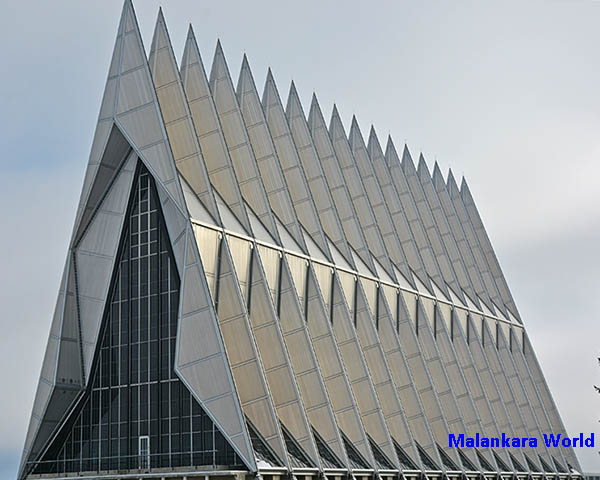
249 288
160 338
280 274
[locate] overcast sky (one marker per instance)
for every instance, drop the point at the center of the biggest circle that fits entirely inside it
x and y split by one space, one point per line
505 93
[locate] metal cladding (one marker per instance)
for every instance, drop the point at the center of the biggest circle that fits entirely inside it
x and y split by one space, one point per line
336 311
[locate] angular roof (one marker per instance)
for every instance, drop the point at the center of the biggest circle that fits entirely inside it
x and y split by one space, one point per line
339 310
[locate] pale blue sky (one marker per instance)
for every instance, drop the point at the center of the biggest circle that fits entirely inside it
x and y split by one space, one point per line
503 92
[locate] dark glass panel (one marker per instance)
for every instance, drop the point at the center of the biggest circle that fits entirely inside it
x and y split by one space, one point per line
134 390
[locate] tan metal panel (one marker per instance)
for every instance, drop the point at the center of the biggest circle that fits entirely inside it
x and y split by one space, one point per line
276 188
271 260
332 369
464 392
309 158
490 404
505 389
243 357
208 241
370 288
240 255
238 143
361 380
298 270
380 366
208 131
273 353
323 275
547 400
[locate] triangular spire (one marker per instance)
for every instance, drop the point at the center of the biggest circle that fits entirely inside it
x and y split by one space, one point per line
320 189
434 241
422 169
356 173
375 176
438 177
468 281
208 130
238 143
269 164
178 120
337 184
291 165
419 235
488 249
397 212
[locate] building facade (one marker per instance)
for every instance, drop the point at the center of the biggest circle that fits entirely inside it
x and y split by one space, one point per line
251 291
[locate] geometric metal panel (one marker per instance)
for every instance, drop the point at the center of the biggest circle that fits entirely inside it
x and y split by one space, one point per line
238 142
338 310
337 184
208 131
328 356
177 117
290 165
269 164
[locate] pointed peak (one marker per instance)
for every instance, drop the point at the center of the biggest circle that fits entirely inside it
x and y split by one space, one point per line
355 133
315 115
219 47
422 168
190 33
161 37
464 188
334 111
293 105
336 126
315 108
372 134
406 156
270 91
438 178
451 183
390 150
373 144
293 91
191 52
246 79
270 78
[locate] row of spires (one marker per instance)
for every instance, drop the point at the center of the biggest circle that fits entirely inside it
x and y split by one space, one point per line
220 72
422 168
